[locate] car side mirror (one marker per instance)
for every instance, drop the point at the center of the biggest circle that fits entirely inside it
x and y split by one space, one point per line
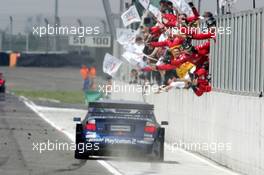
76 119
164 123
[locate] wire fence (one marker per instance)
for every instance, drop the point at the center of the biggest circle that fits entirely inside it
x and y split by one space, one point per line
17 33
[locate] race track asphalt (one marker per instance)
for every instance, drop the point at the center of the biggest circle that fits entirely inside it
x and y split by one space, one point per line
19 129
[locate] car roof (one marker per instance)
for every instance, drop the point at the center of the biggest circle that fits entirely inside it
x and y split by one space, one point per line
125 104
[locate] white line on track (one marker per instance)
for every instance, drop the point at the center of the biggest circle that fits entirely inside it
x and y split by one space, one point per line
34 108
54 109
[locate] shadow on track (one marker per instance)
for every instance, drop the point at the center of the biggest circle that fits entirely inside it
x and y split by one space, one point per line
133 159
73 166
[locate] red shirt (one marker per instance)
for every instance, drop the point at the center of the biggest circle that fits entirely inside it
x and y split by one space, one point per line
195 16
2 82
196 59
172 20
203 49
177 41
166 67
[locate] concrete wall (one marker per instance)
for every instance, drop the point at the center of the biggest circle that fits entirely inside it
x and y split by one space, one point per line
214 118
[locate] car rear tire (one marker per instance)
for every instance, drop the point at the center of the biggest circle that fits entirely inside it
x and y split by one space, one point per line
158 148
162 140
79 154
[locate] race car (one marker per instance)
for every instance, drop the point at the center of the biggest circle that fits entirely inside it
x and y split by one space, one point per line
113 128
2 83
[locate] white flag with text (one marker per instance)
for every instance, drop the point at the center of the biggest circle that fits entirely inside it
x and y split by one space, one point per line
156 12
130 16
182 6
111 64
133 58
144 3
125 36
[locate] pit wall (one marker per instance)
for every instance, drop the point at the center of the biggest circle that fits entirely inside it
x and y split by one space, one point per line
213 118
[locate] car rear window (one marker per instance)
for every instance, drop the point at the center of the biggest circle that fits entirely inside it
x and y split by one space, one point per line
118 112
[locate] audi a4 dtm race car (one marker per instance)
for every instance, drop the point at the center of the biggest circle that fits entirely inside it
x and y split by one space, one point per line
117 128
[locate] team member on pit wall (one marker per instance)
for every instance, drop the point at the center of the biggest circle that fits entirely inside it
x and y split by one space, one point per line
173 48
2 83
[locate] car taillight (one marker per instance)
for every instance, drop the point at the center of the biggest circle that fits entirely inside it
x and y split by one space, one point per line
150 128
90 125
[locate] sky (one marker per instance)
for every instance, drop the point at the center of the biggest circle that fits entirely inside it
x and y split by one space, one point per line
69 11
88 10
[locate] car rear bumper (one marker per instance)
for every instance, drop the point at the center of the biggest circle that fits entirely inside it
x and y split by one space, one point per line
110 147
123 150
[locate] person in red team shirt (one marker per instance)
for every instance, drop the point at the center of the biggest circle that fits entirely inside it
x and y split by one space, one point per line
201 85
2 83
196 55
171 42
189 21
169 19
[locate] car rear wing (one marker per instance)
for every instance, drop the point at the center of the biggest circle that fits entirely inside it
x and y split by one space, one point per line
139 106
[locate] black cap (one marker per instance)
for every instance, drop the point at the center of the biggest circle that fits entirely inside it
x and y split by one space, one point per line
208 15
191 4
211 22
170 3
108 77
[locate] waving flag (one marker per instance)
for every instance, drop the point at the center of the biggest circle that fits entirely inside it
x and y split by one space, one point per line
130 16
182 6
133 58
144 3
125 36
134 48
156 12
111 64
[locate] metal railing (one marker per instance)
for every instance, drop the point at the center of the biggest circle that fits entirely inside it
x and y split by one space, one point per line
237 60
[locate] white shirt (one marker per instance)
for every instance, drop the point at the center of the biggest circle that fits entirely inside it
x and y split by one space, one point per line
178 84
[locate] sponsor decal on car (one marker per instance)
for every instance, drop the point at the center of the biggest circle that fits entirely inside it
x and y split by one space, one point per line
121 141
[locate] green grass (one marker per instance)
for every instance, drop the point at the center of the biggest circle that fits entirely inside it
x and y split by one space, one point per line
72 97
